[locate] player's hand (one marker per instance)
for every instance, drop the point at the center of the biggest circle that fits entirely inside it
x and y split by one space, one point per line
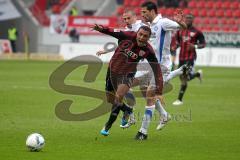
160 97
178 15
97 27
99 53
190 47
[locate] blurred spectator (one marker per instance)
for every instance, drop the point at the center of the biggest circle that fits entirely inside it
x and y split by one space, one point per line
160 3
12 37
120 2
73 11
171 3
183 3
51 3
74 35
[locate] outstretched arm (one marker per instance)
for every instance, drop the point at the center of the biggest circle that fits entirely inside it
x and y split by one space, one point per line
99 53
109 31
179 18
176 23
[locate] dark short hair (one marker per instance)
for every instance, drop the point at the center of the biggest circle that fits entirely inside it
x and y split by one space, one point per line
150 6
146 28
190 15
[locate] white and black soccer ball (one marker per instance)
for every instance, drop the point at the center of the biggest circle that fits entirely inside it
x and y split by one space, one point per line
35 142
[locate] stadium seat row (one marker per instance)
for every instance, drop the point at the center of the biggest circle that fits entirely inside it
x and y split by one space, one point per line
216 28
217 4
213 12
215 21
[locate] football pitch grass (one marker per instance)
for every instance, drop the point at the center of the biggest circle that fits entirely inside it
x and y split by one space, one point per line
206 127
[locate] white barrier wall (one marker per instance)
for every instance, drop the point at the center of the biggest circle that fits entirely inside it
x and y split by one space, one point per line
70 50
225 57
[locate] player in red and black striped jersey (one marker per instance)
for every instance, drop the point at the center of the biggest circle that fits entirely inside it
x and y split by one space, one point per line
188 40
131 49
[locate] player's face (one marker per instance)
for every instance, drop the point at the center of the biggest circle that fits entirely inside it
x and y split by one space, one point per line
142 37
146 14
189 21
128 19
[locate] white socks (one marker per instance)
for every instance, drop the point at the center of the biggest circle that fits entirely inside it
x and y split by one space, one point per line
160 109
174 74
149 110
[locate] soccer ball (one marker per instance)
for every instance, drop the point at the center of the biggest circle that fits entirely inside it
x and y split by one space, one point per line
35 142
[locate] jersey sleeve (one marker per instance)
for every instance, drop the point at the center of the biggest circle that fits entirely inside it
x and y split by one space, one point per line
201 38
152 60
169 25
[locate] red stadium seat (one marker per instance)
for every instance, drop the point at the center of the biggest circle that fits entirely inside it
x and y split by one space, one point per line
195 12
137 10
120 10
234 5
199 27
217 5
226 5
134 3
223 21
234 28
211 13
214 20
203 12
186 11
238 21
209 4
127 2
219 13
142 1
225 28
162 11
197 20
200 4
228 13
236 13
192 4
216 29
170 11
231 21
206 28
206 21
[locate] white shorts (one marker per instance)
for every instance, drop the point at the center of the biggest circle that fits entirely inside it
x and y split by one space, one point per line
145 74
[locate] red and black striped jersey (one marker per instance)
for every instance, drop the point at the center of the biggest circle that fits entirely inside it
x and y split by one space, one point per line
128 54
184 37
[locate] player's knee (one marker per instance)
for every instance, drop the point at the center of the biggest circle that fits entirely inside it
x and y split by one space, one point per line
119 97
110 98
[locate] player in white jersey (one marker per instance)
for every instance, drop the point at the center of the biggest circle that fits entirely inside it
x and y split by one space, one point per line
160 41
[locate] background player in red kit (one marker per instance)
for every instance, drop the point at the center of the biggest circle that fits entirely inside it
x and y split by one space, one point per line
131 49
188 40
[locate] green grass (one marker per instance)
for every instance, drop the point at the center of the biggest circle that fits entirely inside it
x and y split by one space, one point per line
205 127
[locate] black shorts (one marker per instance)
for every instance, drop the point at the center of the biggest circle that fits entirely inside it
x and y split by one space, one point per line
113 80
189 62
173 53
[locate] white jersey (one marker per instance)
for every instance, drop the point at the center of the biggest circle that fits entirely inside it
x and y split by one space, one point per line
135 26
161 36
